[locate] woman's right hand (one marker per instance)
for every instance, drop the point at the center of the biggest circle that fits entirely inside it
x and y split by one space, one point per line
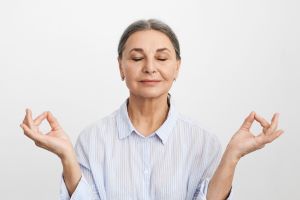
56 140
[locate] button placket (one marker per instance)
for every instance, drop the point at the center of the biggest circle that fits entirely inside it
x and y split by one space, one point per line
146 167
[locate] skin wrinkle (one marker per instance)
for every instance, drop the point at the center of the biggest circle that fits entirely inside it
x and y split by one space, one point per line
149 109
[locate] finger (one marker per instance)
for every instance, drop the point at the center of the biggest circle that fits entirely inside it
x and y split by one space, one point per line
29 118
270 138
52 121
263 122
25 121
274 124
38 120
31 134
248 122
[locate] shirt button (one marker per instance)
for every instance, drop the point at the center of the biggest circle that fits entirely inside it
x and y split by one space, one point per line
146 171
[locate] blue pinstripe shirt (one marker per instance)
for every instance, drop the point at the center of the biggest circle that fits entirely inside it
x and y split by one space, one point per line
117 162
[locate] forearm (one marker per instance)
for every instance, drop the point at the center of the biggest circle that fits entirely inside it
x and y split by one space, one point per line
221 182
71 172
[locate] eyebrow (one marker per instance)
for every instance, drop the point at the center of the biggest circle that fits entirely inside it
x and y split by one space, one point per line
141 50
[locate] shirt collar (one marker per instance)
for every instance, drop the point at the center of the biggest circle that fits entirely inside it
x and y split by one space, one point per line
125 127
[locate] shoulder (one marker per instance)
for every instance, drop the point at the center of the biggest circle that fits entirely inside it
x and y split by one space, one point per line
203 145
98 128
197 133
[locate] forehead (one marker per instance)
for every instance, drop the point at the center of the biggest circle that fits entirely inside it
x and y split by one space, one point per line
148 39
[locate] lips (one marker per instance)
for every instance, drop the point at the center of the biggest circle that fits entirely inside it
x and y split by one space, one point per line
150 80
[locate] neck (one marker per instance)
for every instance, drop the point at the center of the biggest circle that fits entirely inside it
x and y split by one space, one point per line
147 114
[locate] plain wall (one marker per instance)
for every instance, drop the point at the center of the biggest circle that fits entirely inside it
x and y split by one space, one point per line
237 56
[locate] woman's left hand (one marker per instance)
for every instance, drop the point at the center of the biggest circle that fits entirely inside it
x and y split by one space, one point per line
244 141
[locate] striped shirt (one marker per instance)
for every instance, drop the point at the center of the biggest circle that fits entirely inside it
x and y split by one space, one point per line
119 163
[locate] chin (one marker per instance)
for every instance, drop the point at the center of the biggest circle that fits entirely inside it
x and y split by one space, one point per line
148 93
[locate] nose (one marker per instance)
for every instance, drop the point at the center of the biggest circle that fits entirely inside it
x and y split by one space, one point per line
149 67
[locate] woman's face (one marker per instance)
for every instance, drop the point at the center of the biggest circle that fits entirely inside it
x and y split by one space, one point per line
149 64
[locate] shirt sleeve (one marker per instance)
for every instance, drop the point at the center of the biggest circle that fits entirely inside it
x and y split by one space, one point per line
82 191
201 191
86 188
213 155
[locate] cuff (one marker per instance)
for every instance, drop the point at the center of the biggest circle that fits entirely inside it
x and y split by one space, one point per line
201 191
202 188
229 196
82 191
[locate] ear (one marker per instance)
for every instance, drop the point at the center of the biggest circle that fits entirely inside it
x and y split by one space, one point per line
120 67
178 64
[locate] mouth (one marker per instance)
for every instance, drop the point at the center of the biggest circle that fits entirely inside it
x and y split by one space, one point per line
149 82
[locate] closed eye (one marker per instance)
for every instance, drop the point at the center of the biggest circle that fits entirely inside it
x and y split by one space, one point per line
162 59
137 59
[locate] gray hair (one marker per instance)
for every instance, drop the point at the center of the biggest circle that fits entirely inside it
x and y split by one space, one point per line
150 24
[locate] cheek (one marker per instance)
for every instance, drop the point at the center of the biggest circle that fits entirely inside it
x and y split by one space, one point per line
132 73
130 70
168 72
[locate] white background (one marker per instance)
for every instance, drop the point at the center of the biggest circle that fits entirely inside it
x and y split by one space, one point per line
237 56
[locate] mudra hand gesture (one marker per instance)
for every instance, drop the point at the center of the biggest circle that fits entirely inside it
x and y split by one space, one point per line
241 143
244 141
55 140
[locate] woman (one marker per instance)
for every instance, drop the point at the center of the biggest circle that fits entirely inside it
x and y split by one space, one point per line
146 149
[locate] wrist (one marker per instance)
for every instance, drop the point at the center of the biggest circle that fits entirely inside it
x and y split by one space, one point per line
68 157
230 156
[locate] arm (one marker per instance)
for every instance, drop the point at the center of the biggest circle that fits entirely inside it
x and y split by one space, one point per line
220 185
57 142
71 172
242 143
85 188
